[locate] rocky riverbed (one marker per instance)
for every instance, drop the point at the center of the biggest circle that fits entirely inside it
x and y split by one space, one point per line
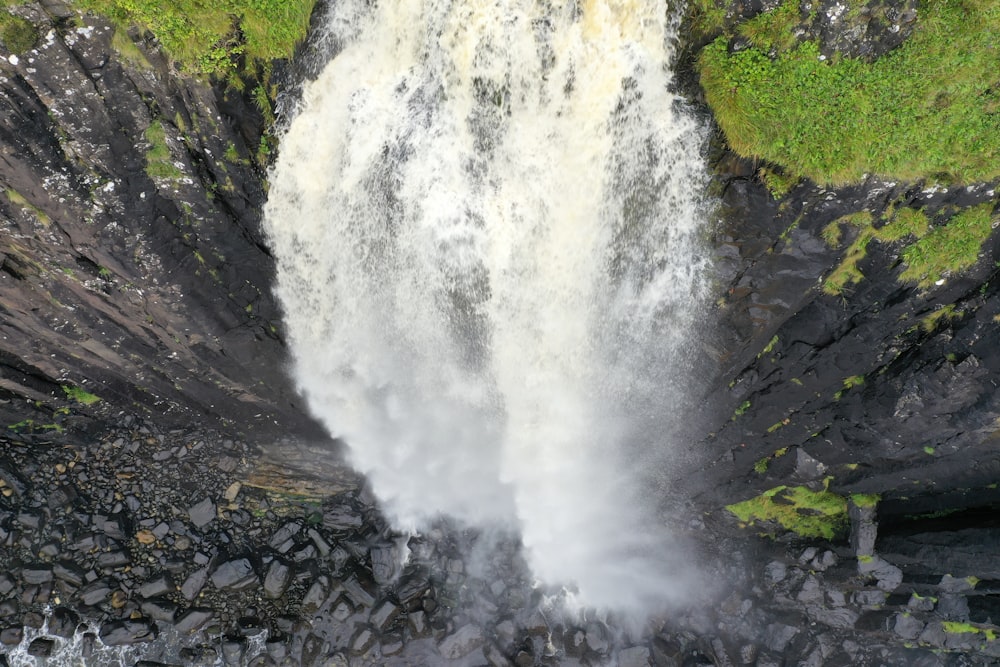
157 548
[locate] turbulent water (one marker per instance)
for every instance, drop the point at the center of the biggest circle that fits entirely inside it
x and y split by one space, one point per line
485 218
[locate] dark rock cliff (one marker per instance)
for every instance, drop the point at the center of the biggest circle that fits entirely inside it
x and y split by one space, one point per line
132 266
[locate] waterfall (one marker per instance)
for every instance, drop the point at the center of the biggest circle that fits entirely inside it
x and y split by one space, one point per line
485 216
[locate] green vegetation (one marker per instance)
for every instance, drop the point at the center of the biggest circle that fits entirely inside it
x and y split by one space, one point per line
865 499
744 406
956 628
80 395
931 321
212 38
926 110
16 33
708 17
778 183
159 161
798 509
928 450
943 250
950 248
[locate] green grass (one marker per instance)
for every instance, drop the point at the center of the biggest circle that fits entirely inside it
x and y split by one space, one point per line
950 248
865 499
80 395
929 109
16 33
211 38
934 252
798 509
159 161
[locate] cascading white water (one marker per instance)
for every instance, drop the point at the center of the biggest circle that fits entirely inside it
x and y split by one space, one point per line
484 215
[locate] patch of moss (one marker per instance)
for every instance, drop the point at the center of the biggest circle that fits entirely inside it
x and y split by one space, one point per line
17 34
797 509
950 248
80 395
159 161
865 499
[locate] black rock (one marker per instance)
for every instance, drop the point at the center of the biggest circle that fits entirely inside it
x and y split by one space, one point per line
194 583
159 609
235 575
41 647
68 572
96 592
36 574
283 534
157 586
63 622
193 620
132 631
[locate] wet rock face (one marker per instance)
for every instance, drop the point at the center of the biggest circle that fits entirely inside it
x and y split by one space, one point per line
131 260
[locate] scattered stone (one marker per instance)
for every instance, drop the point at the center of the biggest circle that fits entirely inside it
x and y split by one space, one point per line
11 636
385 565
36 574
775 572
41 647
778 635
202 513
145 537
907 626
159 609
63 622
194 583
132 631
96 592
193 620
68 572
358 593
462 642
598 638
637 656
277 579
159 585
383 615
232 491
315 596
364 639
236 575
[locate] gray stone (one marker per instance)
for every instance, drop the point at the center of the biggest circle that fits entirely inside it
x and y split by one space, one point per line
68 572
193 620
920 603
132 631
462 642
933 634
598 638
11 636
363 639
888 577
775 571
778 635
156 586
194 583
95 593
953 607
864 529
359 593
315 596
383 615
159 610
63 622
418 623
637 656
235 575
202 513
811 592
385 565
277 579
950 584
907 626
36 574
283 534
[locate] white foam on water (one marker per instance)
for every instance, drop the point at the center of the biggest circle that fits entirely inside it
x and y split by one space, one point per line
485 217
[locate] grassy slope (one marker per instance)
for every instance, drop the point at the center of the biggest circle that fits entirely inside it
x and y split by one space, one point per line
929 109
209 38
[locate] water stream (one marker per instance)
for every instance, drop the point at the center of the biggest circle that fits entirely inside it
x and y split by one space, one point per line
486 219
